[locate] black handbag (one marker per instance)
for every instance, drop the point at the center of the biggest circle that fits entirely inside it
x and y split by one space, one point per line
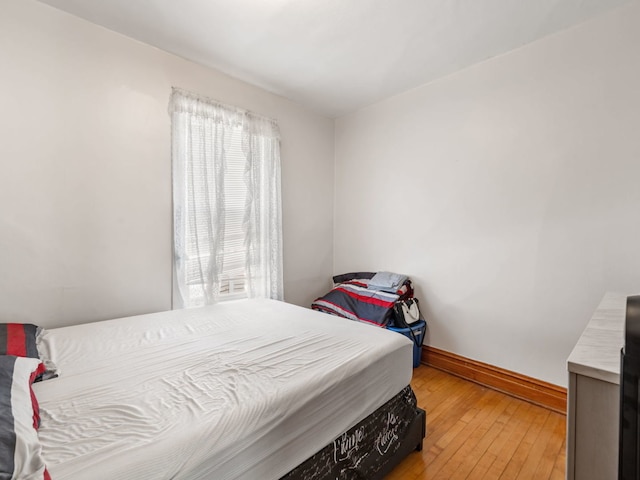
406 313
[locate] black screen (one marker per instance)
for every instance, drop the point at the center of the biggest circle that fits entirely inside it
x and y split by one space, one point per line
628 460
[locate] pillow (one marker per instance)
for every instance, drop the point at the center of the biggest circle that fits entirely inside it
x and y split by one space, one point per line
21 340
20 450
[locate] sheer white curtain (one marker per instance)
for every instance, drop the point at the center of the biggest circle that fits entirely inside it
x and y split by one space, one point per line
226 202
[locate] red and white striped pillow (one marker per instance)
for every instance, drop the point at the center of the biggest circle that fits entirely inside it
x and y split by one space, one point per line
20 450
21 340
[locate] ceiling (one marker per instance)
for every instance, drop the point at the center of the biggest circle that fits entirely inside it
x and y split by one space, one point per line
336 56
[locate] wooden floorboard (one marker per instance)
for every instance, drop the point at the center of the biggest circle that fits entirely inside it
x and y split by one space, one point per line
474 432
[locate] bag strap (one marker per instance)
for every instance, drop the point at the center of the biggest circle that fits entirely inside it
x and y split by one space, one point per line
413 335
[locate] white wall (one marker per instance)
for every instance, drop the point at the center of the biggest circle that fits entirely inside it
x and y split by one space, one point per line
85 172
508 192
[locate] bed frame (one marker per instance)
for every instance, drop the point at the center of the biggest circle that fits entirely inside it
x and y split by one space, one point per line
373 447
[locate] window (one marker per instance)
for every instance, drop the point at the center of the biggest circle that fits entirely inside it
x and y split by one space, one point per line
226 195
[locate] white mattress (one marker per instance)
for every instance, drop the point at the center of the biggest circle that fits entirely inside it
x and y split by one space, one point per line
245 389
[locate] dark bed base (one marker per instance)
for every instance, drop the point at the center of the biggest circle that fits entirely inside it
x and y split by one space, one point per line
373 447
411 443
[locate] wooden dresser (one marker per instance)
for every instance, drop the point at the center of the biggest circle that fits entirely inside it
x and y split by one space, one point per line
593 394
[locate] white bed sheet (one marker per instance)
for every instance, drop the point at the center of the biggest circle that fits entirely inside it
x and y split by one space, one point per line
238 390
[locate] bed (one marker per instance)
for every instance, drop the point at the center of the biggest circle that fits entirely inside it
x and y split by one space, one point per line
251 389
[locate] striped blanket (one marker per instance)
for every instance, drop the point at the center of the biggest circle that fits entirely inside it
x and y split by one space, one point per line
20 451
353 300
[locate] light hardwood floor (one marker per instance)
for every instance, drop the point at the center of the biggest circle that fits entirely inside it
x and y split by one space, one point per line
474 432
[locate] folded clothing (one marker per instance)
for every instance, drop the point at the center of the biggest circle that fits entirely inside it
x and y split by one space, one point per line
387 281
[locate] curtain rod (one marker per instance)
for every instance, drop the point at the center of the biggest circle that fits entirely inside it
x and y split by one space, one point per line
212 101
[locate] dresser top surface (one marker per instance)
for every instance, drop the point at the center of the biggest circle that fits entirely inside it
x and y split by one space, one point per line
597 353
